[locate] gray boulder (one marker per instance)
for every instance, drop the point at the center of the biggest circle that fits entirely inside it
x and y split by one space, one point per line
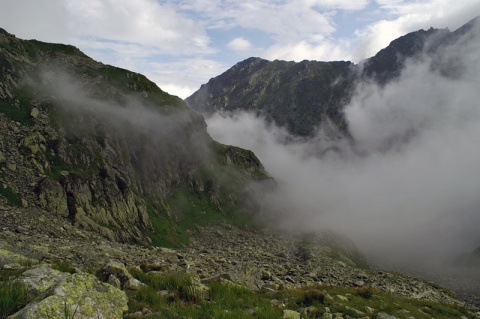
77 296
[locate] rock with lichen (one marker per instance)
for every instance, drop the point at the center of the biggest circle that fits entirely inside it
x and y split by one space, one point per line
77 296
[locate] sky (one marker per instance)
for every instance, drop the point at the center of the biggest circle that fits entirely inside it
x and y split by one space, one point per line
181 44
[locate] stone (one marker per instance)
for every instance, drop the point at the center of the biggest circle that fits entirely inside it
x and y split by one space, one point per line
41 278
118 270
369 309
12 260
52 196
357 312
77 296
34 112
266 275
216 278
114 281
291 314
133 284
383 315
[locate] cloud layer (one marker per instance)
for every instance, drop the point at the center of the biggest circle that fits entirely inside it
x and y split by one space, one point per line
407 190
143 35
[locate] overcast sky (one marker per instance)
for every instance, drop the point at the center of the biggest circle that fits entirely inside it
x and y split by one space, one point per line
181 44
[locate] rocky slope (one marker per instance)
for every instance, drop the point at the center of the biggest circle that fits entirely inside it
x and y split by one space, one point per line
95 160
261 259
308 96
108 149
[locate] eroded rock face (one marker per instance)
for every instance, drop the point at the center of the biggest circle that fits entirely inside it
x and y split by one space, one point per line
80 295
103 146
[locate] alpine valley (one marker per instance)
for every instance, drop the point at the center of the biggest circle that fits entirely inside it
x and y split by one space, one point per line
115 201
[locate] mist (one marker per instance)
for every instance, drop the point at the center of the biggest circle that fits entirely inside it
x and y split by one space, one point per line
156 142
406 187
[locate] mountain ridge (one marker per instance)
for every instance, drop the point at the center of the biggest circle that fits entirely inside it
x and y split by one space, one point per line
316 91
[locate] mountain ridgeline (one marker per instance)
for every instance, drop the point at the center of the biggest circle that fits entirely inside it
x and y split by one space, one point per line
108 149
308 96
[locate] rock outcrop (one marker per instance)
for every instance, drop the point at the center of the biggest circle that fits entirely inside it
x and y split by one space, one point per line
105 147
77 295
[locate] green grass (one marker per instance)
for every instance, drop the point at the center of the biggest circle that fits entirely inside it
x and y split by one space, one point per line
13 198
189 210
63 266
18 110
400 307
228 300
13 297
222 300
178 286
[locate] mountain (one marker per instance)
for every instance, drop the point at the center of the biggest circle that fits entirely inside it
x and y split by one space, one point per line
94 158
307 96
108 149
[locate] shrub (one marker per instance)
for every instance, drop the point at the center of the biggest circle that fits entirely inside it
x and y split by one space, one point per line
311 296
366 293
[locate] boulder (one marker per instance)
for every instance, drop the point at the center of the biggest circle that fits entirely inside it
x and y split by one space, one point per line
11 260
119 271
41 278
383 315
291 314
52 196
77 296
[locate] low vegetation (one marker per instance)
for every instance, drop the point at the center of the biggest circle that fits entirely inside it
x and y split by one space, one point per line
13 295
168 294
175 295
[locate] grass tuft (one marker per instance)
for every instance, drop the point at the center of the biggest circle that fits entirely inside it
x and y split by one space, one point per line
63 266
13 297
366 293
312 296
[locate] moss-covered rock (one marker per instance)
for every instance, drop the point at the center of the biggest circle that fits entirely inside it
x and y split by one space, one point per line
41 278
11 260
77 296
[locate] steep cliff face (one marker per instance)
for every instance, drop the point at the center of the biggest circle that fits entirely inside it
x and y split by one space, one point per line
297 96
106 147
307 96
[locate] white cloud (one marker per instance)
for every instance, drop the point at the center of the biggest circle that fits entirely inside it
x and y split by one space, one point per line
134 33
183 76
240 44
340 4
33 19
404 16
139 22
146 22
303 50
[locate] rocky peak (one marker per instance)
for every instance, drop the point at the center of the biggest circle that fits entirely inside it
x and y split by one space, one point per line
308 96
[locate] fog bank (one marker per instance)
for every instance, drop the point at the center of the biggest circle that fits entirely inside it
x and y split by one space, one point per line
407 189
